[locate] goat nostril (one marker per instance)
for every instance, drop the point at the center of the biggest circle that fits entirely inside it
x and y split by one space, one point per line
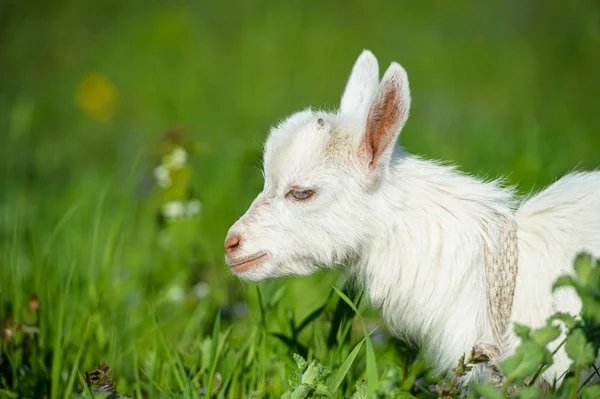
232 243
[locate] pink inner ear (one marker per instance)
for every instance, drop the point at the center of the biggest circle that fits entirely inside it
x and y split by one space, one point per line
382 123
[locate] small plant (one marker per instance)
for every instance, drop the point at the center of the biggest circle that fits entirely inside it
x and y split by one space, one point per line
308 380
99 384
532 357
450 389
19 336
172 177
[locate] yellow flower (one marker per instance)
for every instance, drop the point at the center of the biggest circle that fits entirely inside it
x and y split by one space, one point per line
97 97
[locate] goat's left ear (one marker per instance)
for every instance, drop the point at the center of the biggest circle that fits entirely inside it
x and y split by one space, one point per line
387 115
361 86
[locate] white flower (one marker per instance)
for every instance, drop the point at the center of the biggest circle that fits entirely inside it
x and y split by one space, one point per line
193 208
176 159
176 293
162 176
179 157
173 209
202 290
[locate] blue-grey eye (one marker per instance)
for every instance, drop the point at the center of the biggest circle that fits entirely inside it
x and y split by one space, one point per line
300 194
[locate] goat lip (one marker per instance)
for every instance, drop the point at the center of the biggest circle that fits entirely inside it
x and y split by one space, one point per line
248 262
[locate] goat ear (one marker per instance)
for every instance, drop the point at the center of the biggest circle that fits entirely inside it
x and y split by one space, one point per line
361 86
387 116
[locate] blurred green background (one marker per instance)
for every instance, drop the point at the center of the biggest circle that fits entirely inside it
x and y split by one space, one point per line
89 89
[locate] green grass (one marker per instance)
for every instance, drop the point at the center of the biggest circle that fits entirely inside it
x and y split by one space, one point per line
502 88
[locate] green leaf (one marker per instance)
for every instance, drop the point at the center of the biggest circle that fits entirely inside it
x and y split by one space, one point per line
403 395
276 296
301 392
391 379
301 363
522 330
340 374
9 394
347 300
590 392
579 350
372 374
564 281
529 393
566 318
583 268
213 352
310 318
527 359
591 308
545 335
291 343
416 370
361 390
487 391
314 374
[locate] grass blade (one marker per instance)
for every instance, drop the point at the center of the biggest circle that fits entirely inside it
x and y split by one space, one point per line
340 374
348 301
372 373
213 352
310 318
292 344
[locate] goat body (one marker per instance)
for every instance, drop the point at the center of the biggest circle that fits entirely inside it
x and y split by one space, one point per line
413 232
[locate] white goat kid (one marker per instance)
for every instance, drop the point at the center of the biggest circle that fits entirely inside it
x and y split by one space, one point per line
421 237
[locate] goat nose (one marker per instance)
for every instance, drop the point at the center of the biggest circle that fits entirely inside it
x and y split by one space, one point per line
232 243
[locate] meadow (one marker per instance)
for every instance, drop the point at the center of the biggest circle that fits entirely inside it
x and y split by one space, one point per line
95 98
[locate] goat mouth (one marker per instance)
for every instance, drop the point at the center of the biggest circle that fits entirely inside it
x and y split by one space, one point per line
248 263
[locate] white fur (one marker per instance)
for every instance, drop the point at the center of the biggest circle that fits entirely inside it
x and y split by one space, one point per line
411 231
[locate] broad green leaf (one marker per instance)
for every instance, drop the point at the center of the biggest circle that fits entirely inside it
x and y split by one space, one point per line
521 330
591 308
529 393
579 350
564 281
487 391
569 320
583 267
526 360
545 335
590 392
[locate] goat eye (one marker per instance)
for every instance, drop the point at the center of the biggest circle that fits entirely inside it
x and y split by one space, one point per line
300 194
